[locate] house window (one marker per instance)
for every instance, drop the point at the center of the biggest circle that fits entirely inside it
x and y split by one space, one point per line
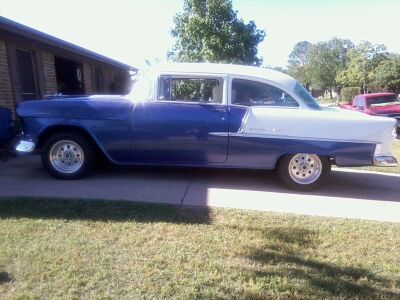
69 76
26 69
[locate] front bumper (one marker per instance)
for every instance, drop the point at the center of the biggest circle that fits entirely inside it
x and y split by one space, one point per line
385 161
25 146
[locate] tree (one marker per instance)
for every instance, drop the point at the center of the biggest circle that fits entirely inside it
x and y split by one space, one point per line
299 63
387 74
327 59
362 62
210 31
300 55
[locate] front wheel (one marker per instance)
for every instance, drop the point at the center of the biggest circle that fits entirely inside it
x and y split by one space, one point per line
304 172
67 155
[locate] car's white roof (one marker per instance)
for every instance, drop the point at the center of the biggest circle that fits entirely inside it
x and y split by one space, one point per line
228 69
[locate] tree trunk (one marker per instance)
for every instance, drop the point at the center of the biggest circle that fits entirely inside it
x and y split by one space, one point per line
339 92
330 93
364 87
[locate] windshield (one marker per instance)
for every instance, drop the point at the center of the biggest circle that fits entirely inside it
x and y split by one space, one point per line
383 100
305 96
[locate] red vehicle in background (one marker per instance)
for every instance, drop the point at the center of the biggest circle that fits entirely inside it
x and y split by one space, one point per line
379 104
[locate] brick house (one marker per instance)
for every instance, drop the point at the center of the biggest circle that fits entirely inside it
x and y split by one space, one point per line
34 65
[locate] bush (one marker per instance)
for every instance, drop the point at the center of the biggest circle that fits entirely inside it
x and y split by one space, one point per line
348 93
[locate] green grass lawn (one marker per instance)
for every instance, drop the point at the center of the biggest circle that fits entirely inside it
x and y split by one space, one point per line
104 249
396 153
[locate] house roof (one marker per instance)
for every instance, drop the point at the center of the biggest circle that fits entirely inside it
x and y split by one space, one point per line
33 34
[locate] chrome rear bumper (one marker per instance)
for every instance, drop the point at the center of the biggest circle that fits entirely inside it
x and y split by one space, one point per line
385 161
25 146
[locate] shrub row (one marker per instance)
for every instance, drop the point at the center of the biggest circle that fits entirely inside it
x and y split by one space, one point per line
348 93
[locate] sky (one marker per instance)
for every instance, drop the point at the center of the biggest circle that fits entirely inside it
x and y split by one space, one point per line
133 31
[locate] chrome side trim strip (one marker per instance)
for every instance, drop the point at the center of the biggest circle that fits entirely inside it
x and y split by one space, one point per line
287 137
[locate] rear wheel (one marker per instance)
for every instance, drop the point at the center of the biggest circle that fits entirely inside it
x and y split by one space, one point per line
304 171
67 155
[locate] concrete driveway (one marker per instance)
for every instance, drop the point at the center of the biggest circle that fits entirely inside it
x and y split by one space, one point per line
348 194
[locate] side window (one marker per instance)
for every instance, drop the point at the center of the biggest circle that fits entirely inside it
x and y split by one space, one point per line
253 93
207 90
361 102
355 101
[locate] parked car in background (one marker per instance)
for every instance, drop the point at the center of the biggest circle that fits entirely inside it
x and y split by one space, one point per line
377 104
206 115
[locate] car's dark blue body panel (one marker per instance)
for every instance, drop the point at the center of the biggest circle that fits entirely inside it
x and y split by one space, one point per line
176 133
265 152
5 124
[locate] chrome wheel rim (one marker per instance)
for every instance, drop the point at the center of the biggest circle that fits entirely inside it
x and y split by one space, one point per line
66 156
305 168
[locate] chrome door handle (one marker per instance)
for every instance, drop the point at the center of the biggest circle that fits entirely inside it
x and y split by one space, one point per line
220 109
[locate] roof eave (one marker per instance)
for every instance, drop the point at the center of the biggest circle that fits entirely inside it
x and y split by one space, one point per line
33 34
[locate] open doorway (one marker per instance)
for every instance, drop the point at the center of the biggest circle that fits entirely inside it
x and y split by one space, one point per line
69 76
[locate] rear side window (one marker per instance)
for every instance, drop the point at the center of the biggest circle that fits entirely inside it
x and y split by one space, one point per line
207 90
355 101
254 93
358 102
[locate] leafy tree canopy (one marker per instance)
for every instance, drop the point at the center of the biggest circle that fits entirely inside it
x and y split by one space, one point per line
387 74
327 59
300 55
362 62
338 63
210 31
299 62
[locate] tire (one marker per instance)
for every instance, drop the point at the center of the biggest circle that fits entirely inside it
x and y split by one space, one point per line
67 155
303 172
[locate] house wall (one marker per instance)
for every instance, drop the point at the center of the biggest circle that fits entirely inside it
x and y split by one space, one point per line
87 78
45 70
49 74
6 95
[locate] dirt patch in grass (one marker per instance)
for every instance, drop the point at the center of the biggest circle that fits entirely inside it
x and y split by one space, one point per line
100 249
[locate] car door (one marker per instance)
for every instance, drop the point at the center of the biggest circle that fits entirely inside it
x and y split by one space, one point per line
187 123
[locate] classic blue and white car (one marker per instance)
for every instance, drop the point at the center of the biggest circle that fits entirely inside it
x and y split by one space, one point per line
207 115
